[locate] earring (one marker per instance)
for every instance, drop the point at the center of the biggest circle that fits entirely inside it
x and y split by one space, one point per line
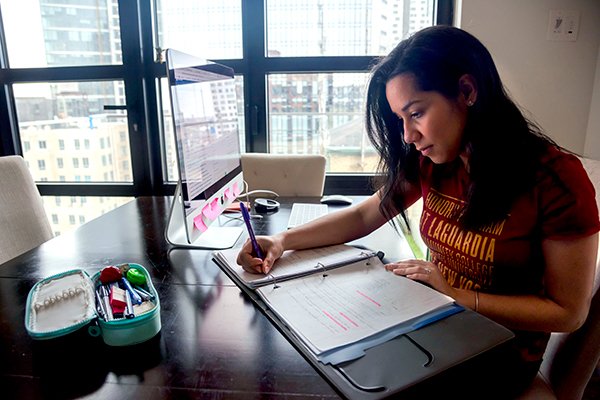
469 103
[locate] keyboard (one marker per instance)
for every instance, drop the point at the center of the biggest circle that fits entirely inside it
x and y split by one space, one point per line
304 212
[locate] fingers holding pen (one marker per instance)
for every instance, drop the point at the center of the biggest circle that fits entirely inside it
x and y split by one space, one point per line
250 261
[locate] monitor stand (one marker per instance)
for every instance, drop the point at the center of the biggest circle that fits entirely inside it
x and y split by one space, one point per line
215 237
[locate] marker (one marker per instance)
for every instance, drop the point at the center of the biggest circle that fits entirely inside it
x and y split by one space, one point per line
129 307
100 306
246 216
143 294
135 298
107 307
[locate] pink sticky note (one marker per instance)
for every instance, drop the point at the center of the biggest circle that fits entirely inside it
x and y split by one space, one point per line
236 190
198 223
229 195
209 213
215 207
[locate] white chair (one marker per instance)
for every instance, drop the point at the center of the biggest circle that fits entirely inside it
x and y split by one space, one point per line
23 220
571 358
286 175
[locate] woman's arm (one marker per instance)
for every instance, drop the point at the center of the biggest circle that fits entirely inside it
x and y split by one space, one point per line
338 227
568 279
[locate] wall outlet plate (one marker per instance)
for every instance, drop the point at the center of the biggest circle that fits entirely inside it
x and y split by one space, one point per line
563 25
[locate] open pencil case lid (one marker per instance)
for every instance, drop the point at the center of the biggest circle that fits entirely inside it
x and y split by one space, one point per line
66 302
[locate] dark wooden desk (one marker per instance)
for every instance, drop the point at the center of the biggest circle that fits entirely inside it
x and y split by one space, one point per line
214 342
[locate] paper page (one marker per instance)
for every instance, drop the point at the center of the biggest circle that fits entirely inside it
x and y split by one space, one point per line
293 261
349 304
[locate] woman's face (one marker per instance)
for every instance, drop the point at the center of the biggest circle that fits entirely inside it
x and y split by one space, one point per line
434 124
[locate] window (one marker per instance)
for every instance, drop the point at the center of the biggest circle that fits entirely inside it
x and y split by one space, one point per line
63 28
72 219
321 114
55 219
186 27
62 103
73 116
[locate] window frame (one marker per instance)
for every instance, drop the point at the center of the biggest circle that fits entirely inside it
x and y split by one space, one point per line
141 76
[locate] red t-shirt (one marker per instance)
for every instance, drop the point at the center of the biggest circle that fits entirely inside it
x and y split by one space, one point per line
506 257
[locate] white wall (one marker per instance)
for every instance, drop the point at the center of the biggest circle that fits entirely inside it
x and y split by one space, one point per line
592 140
553 81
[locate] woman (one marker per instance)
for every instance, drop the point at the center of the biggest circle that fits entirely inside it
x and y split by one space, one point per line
509 218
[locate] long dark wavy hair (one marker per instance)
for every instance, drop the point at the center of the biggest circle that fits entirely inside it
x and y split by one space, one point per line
503 146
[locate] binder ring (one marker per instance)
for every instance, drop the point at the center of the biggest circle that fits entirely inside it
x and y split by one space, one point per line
367 255
324 269
274 281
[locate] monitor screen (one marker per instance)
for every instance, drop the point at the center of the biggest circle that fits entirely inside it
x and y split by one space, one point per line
205 123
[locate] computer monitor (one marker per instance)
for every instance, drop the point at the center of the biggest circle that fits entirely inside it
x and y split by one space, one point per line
205 125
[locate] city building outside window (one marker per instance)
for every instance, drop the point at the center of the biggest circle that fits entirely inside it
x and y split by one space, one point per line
315 112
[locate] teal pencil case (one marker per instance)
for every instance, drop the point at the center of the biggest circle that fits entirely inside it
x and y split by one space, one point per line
66 302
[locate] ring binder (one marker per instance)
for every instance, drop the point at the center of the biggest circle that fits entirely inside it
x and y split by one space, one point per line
357 306
371 374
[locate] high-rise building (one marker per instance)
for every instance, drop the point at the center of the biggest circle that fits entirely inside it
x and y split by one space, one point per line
67 136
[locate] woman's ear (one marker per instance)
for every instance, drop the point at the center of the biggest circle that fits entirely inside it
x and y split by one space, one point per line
467 88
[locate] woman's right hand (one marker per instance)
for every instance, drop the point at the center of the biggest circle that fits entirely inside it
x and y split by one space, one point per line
271 248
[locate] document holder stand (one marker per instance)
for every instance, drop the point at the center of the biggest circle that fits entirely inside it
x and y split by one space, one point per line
401 362
215 237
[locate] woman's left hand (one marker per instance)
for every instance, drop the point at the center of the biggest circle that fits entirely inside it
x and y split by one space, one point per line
423 271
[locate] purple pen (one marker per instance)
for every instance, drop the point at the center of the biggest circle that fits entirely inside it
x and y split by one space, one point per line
246 216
